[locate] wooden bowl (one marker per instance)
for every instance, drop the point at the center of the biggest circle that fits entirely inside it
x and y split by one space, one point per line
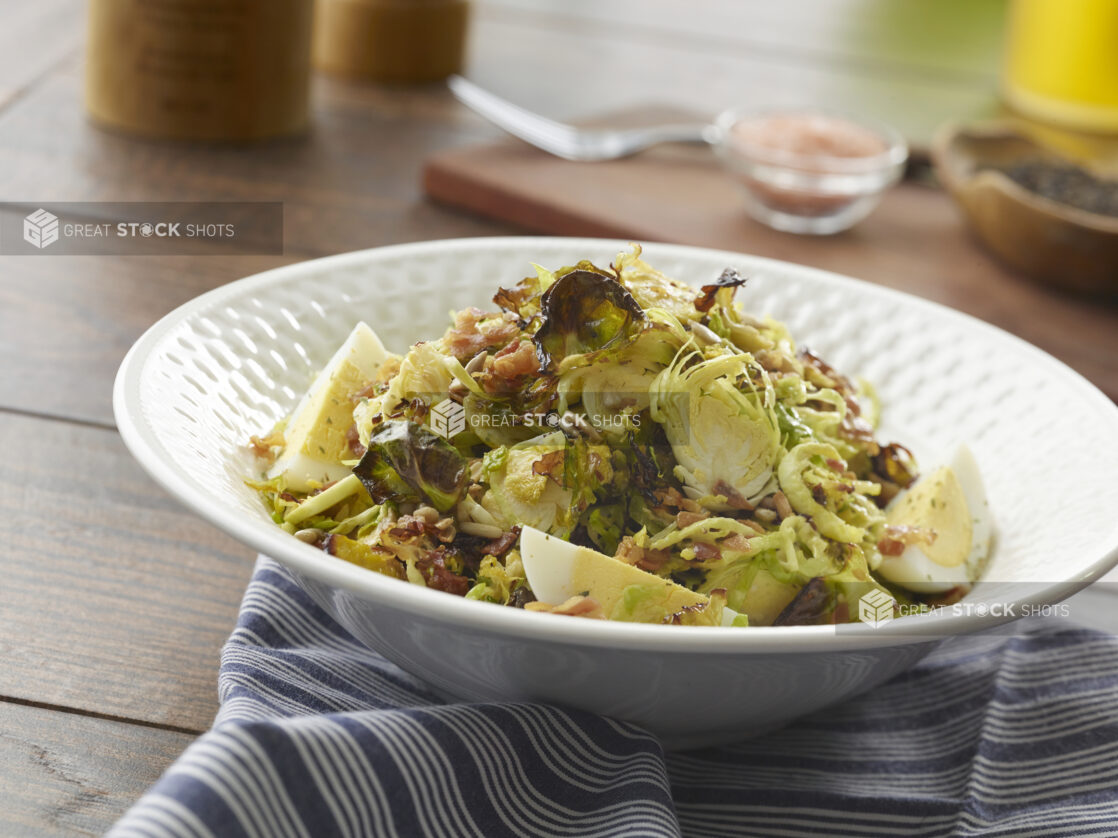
1054 242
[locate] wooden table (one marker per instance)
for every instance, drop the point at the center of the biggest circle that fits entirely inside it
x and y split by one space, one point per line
114 601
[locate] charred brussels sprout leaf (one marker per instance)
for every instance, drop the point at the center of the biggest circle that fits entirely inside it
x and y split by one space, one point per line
729 279
585 311
406 462
808 607
896 463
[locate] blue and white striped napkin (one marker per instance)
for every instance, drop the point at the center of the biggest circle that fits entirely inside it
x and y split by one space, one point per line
317 736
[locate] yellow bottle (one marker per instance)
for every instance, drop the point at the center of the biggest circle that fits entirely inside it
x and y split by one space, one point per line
1062 62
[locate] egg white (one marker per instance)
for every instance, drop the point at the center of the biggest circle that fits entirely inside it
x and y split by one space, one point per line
915 571
549 564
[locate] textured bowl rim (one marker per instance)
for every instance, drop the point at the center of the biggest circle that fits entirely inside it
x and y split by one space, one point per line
270 540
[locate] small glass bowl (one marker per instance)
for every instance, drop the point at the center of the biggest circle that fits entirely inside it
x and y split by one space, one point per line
810 193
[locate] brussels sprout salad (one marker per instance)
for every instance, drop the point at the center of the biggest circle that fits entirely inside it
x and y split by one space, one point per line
611 443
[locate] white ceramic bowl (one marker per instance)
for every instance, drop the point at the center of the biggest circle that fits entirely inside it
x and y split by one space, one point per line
233 361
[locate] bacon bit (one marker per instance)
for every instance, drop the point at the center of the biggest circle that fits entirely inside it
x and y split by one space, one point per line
836 465
475 330
630 552
580 606
576 606
890 547
737 542
653 560
818 495
439 576
550 465
734 498
499 546
265 446
515 360
411 527
782 506
690 505
672 497
685 519
353 442
911 535
706 552
669 496
899 536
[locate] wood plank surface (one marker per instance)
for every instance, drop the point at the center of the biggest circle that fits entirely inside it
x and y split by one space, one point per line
352 182
114 600
66 774
67 321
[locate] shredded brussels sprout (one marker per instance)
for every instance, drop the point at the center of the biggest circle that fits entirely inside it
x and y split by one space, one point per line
654 422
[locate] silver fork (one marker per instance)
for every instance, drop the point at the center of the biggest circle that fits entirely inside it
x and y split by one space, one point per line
569 142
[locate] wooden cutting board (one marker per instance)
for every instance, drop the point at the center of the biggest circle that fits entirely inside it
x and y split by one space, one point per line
680 193
915 241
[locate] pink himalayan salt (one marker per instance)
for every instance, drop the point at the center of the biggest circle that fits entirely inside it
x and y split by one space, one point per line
806 142
810 135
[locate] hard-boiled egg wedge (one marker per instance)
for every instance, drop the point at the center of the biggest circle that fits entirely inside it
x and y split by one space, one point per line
315 437
949 502
558 570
